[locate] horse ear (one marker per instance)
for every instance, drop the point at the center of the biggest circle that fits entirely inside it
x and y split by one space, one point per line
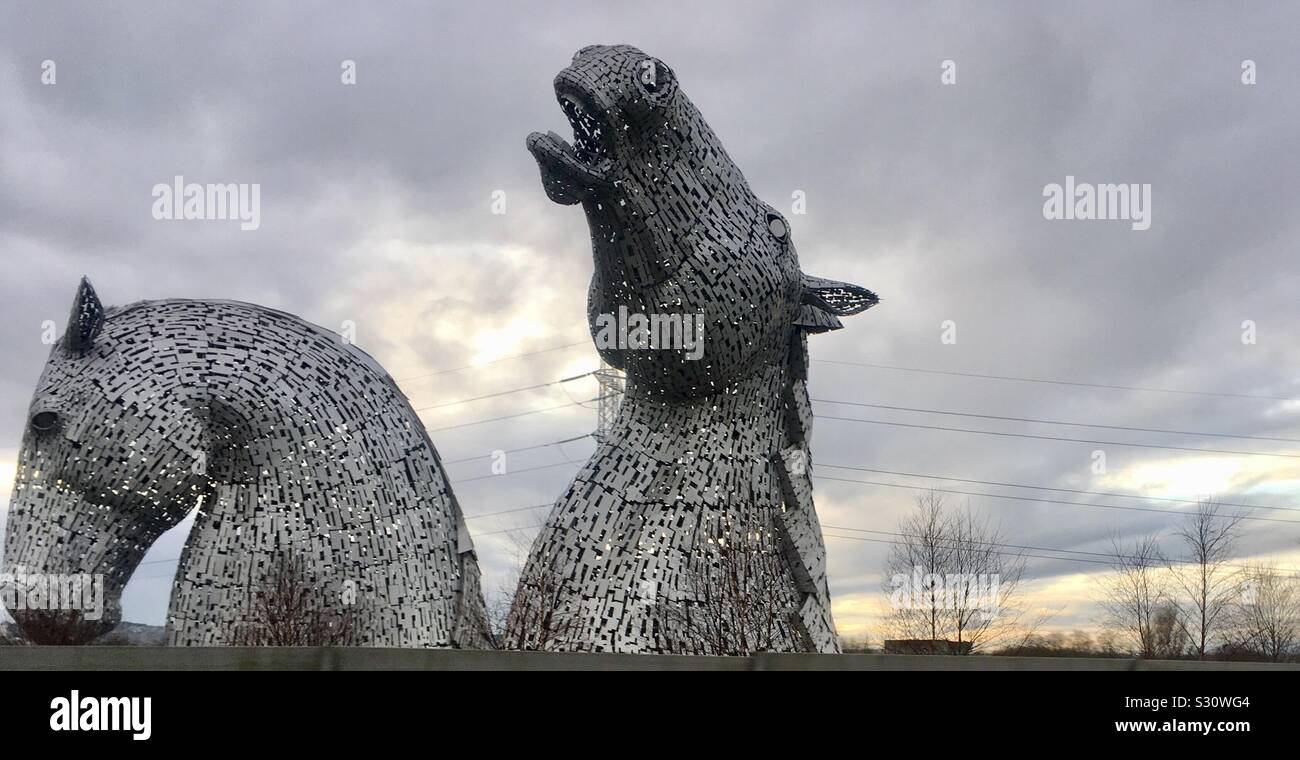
837 298
86 320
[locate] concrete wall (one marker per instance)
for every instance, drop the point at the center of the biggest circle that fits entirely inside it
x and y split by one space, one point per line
325 658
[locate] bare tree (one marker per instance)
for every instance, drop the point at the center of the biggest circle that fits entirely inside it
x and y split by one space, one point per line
925 546
1208 584
855 644
531 611
1077 643
982 612
1135 593
290 609
10 636
739 596
500 598
1169 637
1024 634
1265 618
968 579
56 628
1108 643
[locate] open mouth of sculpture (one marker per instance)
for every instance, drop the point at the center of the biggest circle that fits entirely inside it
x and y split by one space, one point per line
571 171
588 137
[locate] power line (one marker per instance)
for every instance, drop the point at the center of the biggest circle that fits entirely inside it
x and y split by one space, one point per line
508 416
1004 545
1111 556
484 364
514 472
974 541
524 448
855 538
507 530
1022 554
485 396
1011 554
991 543
862 538
1044 488
1059 438
1041 501
158 561
856 530
942 477
1055 422
503 393
508 512
1054 382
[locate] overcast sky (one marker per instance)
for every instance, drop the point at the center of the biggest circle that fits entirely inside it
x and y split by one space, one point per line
376 207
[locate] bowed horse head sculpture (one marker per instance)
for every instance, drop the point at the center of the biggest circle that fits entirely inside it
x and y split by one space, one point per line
289 442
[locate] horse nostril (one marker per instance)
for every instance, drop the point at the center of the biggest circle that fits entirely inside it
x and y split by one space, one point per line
44 421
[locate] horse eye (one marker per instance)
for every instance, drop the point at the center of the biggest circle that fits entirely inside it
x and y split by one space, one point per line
43 422
776 226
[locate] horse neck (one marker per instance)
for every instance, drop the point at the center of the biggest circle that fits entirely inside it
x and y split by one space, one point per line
745 419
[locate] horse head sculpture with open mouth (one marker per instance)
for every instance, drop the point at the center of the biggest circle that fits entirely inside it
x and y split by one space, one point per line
710 447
